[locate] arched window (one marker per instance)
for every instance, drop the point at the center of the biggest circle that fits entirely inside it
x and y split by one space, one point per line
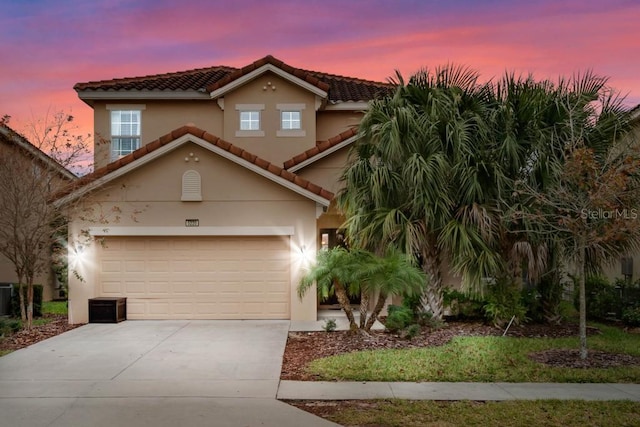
191 191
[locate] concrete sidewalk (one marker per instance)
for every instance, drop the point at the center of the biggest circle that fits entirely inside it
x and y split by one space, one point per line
322 390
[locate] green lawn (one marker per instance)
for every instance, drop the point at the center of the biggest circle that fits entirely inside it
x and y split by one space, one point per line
54 307
402 413
481 359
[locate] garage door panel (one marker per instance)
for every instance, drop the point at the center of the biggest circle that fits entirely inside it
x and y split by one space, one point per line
197 277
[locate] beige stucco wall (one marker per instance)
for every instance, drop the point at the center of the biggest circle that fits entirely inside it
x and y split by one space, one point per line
332 123
232 196
8 275
158 119
326 172
271 147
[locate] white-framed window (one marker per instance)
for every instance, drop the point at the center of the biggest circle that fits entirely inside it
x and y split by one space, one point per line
125 132
249 120
291 120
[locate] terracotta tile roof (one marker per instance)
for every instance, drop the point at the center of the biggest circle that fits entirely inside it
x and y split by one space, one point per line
184 80
214 140
301 74
340 88
320 147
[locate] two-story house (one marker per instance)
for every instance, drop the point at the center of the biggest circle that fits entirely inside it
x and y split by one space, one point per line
212 189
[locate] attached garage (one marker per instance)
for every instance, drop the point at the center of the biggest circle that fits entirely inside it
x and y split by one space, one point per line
197 277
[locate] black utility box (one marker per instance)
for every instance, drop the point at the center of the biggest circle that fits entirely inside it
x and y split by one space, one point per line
107 310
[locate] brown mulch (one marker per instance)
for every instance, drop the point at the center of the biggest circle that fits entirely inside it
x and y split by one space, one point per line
25 338
568 358
304 347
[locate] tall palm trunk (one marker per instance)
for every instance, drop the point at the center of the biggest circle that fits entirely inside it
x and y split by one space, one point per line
432 298
343 300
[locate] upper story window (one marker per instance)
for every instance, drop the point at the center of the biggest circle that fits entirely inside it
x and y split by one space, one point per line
249 119
290 120
125 132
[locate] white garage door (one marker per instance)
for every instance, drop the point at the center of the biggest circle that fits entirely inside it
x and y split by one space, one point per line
197 277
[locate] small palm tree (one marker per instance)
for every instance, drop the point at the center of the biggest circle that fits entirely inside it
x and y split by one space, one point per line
348 272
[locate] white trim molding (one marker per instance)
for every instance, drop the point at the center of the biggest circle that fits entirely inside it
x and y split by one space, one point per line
134 107
192 231
348 106
322 154
259 71
207 146
88 95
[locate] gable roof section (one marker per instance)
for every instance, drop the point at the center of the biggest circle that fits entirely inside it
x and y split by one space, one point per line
11 137
238 77
321 150
211 142
198 83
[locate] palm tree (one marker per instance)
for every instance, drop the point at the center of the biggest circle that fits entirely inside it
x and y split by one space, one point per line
416 181
349 272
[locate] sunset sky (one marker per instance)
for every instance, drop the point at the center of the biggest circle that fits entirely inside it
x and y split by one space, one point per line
47 46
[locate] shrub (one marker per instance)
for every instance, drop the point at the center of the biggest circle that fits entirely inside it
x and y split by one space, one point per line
399 317
503 302
329 325
412 331
9 326
463 306
603 299
631 316
37 300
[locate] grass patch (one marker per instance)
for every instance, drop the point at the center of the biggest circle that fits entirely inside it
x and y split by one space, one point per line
570 413
54 307
481 359
5 352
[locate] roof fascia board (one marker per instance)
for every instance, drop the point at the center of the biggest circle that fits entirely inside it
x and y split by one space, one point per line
257 169
204 144
348 106
257 72
87 95
323 154
193 231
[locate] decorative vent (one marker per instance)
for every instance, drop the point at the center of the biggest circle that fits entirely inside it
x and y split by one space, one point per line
191 191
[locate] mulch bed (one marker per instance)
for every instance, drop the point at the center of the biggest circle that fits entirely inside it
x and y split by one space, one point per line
304 347
25 338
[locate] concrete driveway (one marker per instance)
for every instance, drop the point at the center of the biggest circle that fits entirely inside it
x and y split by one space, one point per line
155 373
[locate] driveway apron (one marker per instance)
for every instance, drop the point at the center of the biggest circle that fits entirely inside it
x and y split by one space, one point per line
156 373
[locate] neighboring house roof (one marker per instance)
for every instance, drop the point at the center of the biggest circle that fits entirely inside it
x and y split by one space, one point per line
11 137
178 137
207 80
322 149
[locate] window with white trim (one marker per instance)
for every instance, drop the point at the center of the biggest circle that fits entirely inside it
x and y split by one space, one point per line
290 120
249 120
125 132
